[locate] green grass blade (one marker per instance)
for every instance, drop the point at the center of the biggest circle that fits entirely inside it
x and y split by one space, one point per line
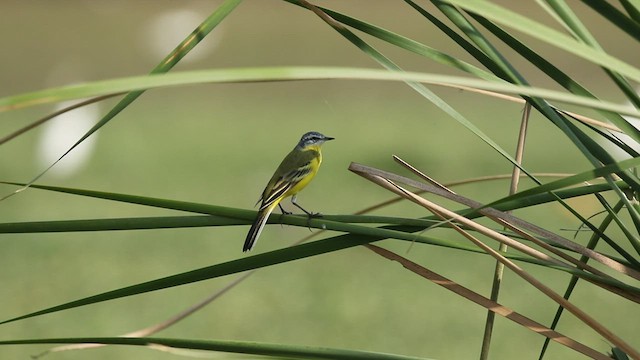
616 140
593 241
235 215
363 235
167 63
402 230
526 25
570 130
421 89
627 176
405 43
633 238
214 271
556 74
221 214
238 75
632 7
605 156
138 223
616 17
173 222
170 60
248 216
584 176
591 149
192 207
573 22
227 346
496 58
253 262
460 41
588 175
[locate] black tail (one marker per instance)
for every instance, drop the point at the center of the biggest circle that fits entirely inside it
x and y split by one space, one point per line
256 228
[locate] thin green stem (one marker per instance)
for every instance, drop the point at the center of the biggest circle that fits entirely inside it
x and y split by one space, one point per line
499 269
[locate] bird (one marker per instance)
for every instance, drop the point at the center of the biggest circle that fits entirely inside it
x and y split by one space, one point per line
295 172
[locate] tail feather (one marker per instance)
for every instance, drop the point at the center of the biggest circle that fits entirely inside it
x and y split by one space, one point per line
256 228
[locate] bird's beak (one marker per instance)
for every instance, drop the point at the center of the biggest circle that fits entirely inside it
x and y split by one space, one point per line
327 138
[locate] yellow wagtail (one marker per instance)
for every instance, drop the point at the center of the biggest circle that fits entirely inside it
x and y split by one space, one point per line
294 173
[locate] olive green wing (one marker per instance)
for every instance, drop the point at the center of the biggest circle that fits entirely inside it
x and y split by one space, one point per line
293 168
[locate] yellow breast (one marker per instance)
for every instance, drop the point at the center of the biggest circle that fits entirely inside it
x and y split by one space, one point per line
314 166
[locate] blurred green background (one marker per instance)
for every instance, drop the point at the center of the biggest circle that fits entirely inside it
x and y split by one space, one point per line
218 144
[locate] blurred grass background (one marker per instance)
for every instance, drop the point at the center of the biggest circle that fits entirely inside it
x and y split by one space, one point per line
219 144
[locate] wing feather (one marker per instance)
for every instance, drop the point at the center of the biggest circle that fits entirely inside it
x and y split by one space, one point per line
285 183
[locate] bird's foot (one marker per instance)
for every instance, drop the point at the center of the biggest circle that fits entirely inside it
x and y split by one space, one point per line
311 215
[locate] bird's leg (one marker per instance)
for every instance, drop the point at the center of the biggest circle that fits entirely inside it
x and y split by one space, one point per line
284 212
309 214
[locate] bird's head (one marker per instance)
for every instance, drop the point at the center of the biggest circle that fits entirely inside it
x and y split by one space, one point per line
313 139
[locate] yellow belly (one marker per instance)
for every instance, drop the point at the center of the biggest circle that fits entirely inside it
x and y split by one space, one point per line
315 165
